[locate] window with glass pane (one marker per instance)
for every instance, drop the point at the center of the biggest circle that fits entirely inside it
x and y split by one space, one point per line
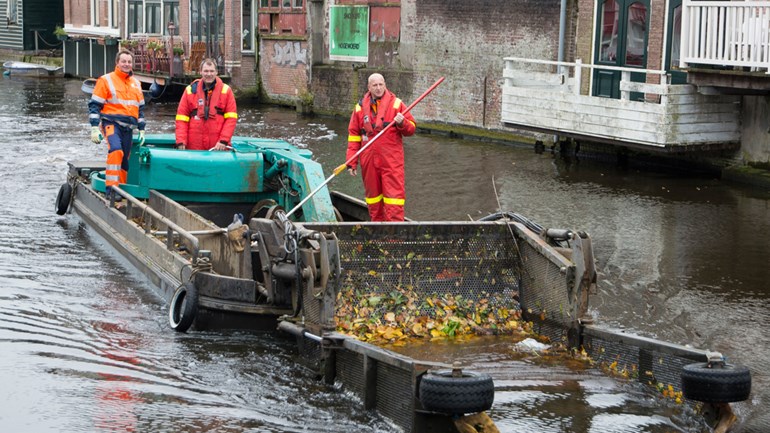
608 48
676 38
264 3
96 9
636 35
135 17
286 3
11 11
199 11
152 18
171 15
298 4
248 27
114 13
274 3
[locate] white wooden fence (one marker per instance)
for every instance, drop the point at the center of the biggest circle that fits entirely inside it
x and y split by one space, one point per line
726 33
673 117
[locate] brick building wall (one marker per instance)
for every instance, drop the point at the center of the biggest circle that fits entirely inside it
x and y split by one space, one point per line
283 66
77 15
465 42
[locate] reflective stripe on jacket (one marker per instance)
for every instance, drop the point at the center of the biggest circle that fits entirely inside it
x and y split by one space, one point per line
117 97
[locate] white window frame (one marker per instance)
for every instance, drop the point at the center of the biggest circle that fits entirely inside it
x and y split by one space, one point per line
12 11
112 13
253 29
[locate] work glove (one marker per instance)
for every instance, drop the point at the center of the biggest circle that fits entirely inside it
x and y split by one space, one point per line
96 135
141 138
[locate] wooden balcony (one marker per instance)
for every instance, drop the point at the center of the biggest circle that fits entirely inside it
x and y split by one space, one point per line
671 118
726 33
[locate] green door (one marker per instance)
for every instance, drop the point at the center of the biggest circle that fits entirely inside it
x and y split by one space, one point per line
621 40
674 29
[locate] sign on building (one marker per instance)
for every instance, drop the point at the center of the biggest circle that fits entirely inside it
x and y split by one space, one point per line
349 33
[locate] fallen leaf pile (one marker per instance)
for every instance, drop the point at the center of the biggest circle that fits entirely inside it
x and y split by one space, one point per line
400 314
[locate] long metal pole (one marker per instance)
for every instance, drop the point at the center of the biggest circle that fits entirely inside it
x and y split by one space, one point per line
342 167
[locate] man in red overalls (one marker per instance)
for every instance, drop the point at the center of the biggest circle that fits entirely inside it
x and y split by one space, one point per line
207 114
382 163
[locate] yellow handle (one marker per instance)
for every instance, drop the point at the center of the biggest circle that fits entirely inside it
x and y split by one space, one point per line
339 169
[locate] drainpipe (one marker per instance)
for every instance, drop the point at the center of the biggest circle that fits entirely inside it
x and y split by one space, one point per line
562 30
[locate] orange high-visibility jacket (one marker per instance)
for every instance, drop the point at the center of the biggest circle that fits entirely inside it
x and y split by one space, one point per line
118 98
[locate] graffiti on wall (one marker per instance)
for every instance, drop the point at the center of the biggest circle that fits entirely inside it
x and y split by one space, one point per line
289 53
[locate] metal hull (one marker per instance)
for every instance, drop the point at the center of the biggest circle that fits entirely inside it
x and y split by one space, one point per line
167 269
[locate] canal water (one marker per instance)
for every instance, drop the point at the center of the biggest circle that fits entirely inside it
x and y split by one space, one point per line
84 343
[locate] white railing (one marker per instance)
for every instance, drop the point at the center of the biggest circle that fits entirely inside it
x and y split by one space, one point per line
726 33
550 97
573 83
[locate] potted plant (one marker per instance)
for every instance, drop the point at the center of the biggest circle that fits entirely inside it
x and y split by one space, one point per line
60 33
128 44
154 46
178 51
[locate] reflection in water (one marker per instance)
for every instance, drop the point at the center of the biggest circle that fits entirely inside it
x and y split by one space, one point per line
680 258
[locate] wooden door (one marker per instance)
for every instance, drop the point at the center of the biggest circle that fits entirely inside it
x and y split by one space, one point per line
621 40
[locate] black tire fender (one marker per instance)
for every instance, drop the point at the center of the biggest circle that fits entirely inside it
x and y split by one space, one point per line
183 307
716 383
63 199
471 392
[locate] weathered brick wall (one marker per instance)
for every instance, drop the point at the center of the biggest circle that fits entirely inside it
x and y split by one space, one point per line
283 66
77 14
336 90
465 42
657 29
247 74
584 37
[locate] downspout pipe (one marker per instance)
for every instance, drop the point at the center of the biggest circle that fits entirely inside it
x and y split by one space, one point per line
562 31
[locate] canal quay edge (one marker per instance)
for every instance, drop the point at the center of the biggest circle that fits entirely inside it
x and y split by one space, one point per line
724 164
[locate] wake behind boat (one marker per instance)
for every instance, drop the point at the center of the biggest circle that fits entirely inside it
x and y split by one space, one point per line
14 68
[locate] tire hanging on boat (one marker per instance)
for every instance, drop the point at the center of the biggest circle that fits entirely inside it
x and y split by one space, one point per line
471 392
183 307
63 199
716 383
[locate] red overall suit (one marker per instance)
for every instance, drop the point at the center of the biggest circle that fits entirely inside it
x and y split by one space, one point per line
382 163
205 117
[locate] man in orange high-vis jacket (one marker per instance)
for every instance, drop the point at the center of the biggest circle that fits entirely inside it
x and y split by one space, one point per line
207 114
382 163
117 102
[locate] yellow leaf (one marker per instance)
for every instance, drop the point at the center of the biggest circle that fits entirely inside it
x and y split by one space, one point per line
417 329
390 317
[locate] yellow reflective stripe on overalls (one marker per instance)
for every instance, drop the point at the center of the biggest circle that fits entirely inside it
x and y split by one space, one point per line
373 200
393 201
354 138
182 117
231 115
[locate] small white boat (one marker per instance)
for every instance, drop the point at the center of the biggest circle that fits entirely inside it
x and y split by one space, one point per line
13 67
88 85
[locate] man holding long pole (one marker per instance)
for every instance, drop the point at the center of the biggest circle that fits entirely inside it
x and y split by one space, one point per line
382 166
